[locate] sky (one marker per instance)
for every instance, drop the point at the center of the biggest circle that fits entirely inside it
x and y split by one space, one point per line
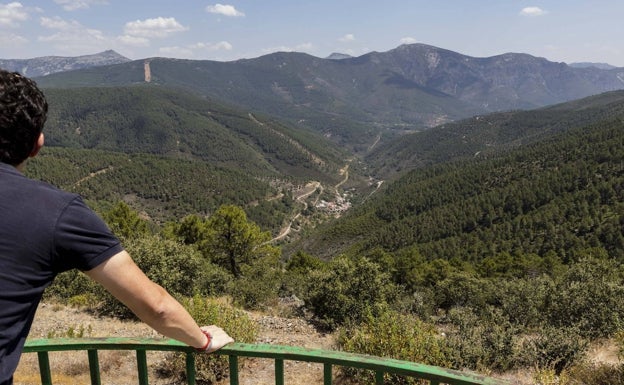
558 30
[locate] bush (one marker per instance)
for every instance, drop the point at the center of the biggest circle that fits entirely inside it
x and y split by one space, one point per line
170 264
525 301
397 336
481 342
258 284
349 290
70 284
554 348
464 290
211 368
595 374
588 297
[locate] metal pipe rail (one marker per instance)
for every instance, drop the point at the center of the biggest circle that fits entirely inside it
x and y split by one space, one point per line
380 366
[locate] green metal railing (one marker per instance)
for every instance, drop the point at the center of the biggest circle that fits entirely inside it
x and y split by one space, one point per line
279 354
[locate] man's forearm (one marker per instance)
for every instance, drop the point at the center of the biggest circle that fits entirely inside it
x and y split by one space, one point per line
153 305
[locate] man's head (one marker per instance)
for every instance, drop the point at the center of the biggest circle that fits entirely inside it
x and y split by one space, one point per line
23 110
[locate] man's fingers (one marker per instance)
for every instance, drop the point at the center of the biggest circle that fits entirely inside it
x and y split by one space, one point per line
219 338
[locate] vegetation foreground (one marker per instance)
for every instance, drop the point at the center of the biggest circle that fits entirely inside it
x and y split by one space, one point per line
539 314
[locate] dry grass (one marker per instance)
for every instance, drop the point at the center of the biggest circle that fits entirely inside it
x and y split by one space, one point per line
119 367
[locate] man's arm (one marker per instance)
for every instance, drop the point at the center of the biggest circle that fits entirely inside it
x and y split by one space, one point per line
152 304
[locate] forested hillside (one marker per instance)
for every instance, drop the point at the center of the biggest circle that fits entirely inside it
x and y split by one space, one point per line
487 135
560 195
156 120
161 188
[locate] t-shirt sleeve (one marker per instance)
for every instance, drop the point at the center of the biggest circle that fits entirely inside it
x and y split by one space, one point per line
82 239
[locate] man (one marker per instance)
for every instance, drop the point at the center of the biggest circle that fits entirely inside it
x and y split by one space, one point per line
45 231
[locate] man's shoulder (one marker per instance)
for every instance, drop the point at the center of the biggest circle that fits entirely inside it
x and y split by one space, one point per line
14 185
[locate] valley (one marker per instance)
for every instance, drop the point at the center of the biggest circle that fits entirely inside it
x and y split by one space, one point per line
468 209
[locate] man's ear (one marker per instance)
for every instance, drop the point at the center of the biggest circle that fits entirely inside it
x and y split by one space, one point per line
38 145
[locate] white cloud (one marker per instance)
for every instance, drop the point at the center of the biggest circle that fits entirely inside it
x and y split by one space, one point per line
303 47
532 11
133 41
11 40
72 5
408 40
347 38
220 46
11 14
73 38
177 52
194 50
59 24
223 9
158 27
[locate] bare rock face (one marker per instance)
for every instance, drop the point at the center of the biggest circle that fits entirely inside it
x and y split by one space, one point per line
46 65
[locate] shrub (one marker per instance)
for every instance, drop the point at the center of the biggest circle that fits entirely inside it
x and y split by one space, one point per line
349 290
525 301
211 368
596 374
172 265
481 342
70 284
398 336
589 298
461 289
554 348
258 284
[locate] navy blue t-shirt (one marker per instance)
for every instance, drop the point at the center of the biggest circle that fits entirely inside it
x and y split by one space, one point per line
43 231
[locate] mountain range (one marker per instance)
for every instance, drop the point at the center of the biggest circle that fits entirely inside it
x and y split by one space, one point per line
355 100
47 65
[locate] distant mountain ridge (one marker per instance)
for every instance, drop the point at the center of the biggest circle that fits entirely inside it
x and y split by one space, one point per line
355 100
602 66
47 65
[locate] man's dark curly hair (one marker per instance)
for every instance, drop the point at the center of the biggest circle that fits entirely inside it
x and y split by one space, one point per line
23 110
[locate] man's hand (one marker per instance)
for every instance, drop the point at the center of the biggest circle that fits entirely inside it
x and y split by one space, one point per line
219 338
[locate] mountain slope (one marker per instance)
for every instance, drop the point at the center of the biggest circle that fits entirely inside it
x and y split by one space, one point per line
354 100
483 135
151 119
556 195
161 188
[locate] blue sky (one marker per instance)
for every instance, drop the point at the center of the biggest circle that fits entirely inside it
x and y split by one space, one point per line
559 30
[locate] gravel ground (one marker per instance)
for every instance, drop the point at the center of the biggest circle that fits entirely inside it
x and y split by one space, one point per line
119 368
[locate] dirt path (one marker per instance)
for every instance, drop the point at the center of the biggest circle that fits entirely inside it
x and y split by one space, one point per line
308 190
94 174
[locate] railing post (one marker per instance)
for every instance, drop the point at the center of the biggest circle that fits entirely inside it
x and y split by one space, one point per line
379 377
190 368
44 368
279 371
233 369
94 367
142 366
327 374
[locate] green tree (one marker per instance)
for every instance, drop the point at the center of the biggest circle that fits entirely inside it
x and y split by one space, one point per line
348 290
190 230
233 241
125 222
